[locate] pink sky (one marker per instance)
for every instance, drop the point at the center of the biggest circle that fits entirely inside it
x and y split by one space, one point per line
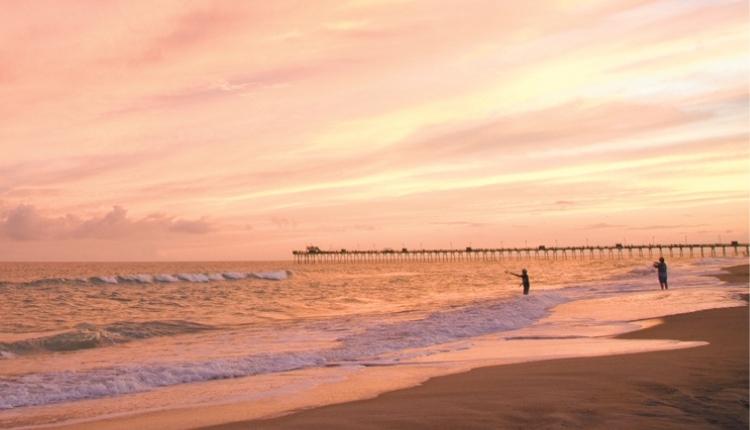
243 130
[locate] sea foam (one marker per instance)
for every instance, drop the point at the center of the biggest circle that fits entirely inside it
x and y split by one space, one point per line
436 328
144 278
86 336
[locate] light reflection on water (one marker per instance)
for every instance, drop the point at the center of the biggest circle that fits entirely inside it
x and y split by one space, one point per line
349 311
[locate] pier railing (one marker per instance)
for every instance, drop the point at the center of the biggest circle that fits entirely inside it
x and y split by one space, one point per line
315 255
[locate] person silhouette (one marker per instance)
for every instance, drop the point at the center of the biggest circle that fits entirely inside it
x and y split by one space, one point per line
661 270
524 280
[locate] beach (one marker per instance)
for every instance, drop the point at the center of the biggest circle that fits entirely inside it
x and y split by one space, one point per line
374 214
702 387
392 346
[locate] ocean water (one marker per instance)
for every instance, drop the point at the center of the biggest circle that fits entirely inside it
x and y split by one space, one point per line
79 341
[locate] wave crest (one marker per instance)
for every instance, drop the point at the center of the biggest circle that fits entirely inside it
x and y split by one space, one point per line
144 278
86 336
439 327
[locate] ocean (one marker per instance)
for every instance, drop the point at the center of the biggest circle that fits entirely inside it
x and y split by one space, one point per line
82 341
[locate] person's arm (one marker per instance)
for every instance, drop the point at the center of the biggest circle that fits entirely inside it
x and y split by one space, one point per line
515 274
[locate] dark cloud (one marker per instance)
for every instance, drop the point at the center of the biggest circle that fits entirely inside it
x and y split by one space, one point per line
25 222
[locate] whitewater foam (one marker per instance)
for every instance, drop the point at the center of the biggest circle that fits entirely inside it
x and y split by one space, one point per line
103 280
86 336
166 278
140 279
278 275
216 277
233 276
347 316
436 328
193 277
273 276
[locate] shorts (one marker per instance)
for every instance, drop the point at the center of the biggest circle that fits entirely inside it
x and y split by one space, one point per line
662 278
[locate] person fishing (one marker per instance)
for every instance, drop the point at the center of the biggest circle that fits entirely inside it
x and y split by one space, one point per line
524 280
661 269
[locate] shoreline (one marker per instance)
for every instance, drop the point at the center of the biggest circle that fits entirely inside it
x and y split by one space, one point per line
702 387
231 415
735 275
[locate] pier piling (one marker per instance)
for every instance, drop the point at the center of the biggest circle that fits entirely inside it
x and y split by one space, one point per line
314 255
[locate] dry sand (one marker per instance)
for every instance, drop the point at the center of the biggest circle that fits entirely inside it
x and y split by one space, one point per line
704 387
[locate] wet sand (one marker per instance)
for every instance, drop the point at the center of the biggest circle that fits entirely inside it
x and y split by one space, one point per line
696 388
737 275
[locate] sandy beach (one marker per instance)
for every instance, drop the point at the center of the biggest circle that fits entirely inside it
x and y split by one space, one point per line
374 214
703 387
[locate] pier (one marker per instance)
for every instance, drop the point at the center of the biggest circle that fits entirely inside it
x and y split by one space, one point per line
314 255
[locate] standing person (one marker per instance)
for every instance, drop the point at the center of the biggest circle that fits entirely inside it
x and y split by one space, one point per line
661 267
524 280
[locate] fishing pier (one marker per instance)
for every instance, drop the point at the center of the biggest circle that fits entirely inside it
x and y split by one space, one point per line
314 255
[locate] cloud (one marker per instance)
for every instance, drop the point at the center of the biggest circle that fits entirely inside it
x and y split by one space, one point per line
222 89
387 113
47 174
602 225
571 124
350 25
667 226
283 222
188 31
460 223
199 226
26 222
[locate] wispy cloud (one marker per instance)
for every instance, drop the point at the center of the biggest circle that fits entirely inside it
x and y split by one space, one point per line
602 225
419 119
657 227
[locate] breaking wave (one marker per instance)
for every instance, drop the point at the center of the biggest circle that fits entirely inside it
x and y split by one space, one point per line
85 336
278 275
374 342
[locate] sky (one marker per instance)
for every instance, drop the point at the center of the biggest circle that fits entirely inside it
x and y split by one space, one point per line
243 130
